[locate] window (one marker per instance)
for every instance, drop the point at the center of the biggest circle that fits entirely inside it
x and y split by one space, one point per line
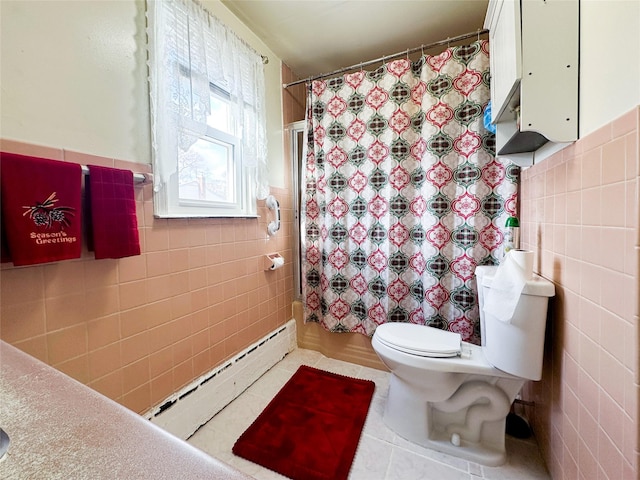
208 127
208 170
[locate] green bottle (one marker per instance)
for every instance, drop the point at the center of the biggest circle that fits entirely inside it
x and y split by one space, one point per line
512 234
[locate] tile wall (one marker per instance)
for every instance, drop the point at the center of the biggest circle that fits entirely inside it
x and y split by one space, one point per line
138 329
580 216
294 98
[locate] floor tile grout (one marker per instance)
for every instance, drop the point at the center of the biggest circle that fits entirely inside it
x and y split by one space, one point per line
405 460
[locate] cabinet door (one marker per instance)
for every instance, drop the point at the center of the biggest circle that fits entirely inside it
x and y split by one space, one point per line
506 54
549 87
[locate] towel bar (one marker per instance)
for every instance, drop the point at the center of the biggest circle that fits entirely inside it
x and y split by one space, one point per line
137 177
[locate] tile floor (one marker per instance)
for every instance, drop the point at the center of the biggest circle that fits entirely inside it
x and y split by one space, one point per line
382 455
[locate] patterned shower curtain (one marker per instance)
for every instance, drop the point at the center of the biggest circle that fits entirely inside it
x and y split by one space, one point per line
403 196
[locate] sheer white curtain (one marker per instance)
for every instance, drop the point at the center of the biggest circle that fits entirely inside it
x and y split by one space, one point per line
190 53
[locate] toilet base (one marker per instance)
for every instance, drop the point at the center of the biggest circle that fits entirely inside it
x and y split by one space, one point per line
491 457
451 425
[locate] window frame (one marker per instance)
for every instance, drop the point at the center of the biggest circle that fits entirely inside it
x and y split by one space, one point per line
246 179
232 142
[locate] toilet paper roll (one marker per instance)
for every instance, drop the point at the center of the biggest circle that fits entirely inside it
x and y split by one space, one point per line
277 263
524 258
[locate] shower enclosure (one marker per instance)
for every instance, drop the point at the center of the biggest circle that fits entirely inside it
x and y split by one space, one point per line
350 347
294 133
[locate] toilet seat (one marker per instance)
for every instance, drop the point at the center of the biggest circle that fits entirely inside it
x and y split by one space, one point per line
419 340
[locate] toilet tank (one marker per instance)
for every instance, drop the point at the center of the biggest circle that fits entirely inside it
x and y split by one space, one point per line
516 347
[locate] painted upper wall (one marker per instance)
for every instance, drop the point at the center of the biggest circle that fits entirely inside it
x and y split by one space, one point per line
609 61
74 76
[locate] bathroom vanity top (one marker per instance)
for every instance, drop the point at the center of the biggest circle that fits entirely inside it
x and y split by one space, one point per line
61 429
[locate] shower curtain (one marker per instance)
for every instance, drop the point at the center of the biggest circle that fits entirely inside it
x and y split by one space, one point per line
402 194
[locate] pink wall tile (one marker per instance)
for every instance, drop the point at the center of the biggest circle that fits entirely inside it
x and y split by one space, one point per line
67 343
100 302
614 205
101 273
613 376
614 161
132 268
590 281
137 399
574 208
593 392
34 346
631 146
22 321
614 239
609 456
592 168
589 359
110 385
132 294
20 148
103 331
135 373
197 256
590 319
139 328
65 311
63 278
574 173
574 242
616 298
559 213
157 263
156 238
591 245
591 202
631 204
77 368
588 462
22 285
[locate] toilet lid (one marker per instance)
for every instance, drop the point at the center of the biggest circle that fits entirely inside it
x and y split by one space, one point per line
419 339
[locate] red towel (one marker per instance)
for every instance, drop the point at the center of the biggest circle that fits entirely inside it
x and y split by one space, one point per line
5 256
113 224
41 218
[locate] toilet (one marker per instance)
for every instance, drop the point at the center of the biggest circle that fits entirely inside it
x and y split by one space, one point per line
453 396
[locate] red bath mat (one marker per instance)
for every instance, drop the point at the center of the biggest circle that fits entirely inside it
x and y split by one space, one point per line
311 428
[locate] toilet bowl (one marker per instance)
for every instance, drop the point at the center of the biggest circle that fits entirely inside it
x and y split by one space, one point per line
454 396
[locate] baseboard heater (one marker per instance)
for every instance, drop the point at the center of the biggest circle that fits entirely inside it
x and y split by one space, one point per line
186 411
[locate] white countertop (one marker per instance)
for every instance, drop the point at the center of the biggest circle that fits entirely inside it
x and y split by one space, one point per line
61 429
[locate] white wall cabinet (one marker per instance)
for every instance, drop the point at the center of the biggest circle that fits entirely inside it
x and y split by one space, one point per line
534 47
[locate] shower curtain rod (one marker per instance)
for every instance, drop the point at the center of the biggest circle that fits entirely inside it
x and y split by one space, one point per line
388 57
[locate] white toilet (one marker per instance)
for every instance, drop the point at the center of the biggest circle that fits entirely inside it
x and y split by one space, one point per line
454 396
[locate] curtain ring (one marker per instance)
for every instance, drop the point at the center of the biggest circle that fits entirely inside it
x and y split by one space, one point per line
407 54
478 34
448 42
422 49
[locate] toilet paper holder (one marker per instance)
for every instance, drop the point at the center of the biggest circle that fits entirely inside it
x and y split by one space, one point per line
273 261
